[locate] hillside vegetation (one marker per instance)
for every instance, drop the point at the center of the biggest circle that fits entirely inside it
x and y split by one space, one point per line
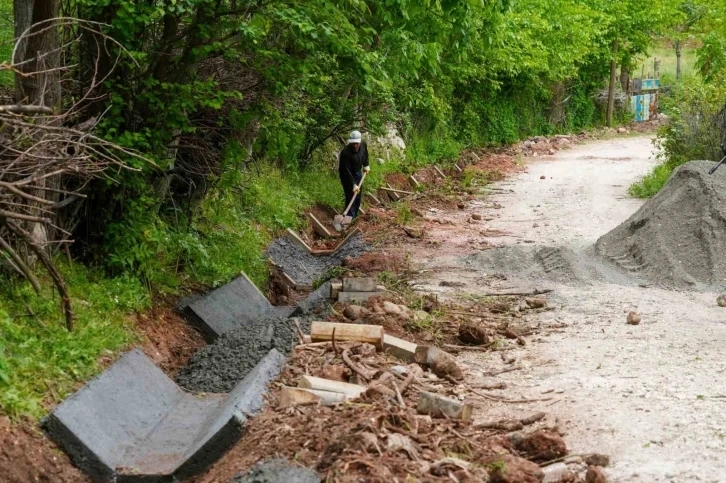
235 110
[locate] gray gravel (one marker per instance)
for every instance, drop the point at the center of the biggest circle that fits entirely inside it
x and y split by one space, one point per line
678 237
218 367
305 268
277 471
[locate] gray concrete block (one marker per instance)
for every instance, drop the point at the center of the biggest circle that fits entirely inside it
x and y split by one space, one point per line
357 296
230 306
132 423
314 301
360 284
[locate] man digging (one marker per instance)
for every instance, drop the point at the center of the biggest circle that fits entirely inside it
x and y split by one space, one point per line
353 162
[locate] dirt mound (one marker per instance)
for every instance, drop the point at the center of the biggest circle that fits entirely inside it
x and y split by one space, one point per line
678 237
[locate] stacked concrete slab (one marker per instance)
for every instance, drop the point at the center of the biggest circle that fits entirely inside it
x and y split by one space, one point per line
132 423
231 306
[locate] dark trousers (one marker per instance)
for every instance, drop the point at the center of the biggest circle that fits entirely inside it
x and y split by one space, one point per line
348 190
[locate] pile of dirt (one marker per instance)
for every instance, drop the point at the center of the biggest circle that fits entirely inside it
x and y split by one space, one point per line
304 267
219 367
26 455
168 339
678 237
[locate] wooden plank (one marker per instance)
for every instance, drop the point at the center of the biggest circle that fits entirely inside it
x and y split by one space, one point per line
353 233
414 182
371 199
321 384
393 190
360 284
456 166
295 396
437 405
296 240
371 334
399 348
319 227
441 173
357 296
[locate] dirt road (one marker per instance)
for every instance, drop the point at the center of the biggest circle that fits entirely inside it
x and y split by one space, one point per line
651 396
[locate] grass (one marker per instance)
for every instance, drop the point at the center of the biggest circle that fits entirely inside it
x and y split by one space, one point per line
6 39
667 56
651 183
40 361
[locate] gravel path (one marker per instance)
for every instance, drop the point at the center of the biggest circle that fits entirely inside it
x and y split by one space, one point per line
651 396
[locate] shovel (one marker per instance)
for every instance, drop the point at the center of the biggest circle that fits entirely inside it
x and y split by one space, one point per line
341 220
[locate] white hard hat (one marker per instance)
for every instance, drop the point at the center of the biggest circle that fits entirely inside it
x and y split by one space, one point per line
354 138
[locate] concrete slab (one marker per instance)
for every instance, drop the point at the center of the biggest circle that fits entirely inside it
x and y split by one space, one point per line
360 284
357 296
231 306
132 423
315 300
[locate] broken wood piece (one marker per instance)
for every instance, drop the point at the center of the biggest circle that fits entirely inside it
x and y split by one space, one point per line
366 375
392 194
319 227
371 199
297 241
393 190
441 363
360 284
321 384
402 349
358 296
371 334
436 405
296 396
504 294
512 424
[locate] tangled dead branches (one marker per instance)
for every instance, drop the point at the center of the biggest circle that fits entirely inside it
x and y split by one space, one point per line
48 151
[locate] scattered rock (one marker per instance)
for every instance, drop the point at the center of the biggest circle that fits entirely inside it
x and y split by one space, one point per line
551 151
368 442
508 468
536 302
721 300
274 471
595 474
472 333
543 177
633 318
334 372
443 466
597 459
461 206
400 442
476 216
420 315
441 363
622 130
364 350
355 312
391 308
542 446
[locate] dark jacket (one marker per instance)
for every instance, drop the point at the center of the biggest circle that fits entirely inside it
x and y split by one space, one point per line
351 162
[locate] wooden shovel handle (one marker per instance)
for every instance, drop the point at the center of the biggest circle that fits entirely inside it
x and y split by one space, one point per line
352 200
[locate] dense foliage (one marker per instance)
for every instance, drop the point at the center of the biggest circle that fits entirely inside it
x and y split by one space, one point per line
241 104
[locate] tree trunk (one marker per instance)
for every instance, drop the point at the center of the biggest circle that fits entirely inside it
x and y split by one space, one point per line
625 79
678 47
40 56
23 18
611 88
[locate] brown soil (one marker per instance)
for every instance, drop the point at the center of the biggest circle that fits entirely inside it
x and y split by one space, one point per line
374 439
376 262
168 339
27 455
398 181
325 215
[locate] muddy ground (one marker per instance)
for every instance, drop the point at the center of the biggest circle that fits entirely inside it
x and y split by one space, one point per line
648 395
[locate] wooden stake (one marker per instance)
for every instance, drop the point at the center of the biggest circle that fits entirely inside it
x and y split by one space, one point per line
371 334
